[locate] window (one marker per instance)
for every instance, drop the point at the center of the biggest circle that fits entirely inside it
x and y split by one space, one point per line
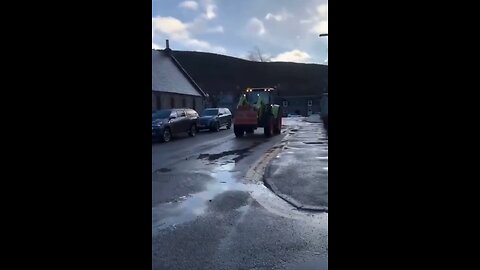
172 102
253 97
194 105
181 113
192 113
285 103
184 102
309 103
162 114
210 112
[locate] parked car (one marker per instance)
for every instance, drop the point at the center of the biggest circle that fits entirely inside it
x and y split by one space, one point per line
215 118
168 123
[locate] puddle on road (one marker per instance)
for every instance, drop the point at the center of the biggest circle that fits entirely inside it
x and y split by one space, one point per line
163 170
228 166
314 142
225 178
196 204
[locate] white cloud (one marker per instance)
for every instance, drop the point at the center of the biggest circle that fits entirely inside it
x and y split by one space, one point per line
173 27
320 20
197 26
216 29
204 46
210 9
200 26
292 56
256 26
279 17
320 27
270 16
189 5
322 11
155 46
210 13
176 30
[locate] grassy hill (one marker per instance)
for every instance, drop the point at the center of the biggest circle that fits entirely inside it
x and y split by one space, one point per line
220 74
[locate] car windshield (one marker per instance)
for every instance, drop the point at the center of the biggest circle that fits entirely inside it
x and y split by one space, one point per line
253 97
210 112
161 114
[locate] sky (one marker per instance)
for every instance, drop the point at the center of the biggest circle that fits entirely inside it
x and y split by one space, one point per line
283 30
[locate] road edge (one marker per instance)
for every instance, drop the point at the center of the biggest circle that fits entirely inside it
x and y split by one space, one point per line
260 171
270 185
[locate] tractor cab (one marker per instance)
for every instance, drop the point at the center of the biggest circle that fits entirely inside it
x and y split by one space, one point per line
257 95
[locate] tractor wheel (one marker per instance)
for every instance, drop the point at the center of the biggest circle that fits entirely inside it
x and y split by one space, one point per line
277 129
239 131
268 127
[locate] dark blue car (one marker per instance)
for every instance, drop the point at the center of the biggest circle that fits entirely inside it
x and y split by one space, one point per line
215 118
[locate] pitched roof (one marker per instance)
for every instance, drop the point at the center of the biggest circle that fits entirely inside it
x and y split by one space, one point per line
169 76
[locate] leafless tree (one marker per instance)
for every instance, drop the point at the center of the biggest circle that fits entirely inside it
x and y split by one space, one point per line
256 55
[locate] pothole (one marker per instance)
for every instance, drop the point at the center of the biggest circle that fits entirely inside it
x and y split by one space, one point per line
240 153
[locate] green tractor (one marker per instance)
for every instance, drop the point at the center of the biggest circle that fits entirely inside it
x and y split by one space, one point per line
255 109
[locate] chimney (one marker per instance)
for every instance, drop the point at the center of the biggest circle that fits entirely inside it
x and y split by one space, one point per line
167 50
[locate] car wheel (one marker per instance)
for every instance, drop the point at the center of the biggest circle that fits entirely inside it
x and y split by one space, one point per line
166 136
193 131
216 127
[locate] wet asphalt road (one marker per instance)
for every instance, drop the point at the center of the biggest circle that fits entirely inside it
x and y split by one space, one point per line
206 215
306 148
